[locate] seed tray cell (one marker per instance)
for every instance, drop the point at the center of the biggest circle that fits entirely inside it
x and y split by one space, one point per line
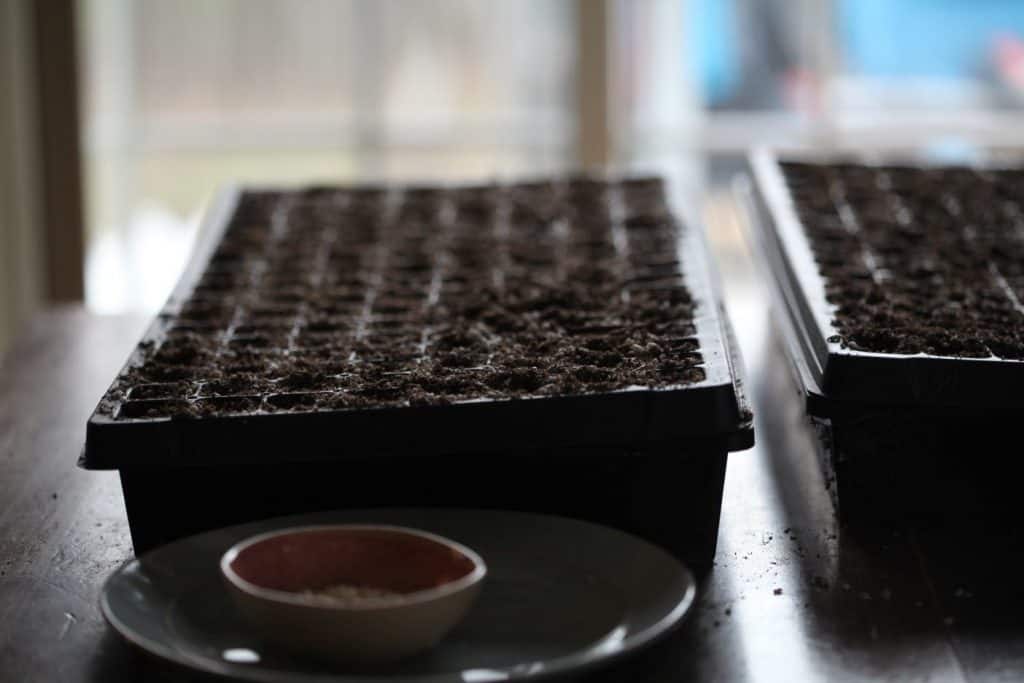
903 284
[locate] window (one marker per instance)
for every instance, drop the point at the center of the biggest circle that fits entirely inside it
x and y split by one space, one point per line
183 96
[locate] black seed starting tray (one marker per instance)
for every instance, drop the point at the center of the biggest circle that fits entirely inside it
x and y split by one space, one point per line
904 283
343 331
901 288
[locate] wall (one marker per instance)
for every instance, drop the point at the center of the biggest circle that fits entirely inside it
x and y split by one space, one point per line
21 267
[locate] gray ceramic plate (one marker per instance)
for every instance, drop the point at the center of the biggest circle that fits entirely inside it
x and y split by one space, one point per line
561 596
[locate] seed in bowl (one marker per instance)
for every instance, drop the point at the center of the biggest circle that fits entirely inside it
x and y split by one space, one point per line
349 593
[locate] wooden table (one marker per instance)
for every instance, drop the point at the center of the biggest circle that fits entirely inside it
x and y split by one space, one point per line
793 595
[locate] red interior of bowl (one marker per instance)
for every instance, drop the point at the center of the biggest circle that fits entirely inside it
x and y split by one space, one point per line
378 558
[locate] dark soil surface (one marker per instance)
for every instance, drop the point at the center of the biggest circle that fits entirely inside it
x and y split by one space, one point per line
918 260
350 298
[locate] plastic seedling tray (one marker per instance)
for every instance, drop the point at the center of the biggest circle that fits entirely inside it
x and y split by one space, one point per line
947 328
900 287
322 334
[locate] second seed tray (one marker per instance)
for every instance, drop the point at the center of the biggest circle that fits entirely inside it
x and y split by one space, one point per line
902 284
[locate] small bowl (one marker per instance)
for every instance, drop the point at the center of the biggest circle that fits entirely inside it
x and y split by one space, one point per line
403 589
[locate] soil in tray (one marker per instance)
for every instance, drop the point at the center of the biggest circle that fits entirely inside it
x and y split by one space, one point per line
335 298
918 260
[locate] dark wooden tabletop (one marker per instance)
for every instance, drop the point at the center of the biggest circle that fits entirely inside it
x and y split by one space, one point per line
793 595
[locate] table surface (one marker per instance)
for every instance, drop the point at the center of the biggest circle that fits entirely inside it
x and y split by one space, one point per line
793 596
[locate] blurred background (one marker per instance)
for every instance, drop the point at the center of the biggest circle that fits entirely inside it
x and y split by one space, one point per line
120 118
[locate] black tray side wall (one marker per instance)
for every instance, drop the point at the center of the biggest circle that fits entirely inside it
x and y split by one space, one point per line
669 500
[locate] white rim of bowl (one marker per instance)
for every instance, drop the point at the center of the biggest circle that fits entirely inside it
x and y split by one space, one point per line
320 602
